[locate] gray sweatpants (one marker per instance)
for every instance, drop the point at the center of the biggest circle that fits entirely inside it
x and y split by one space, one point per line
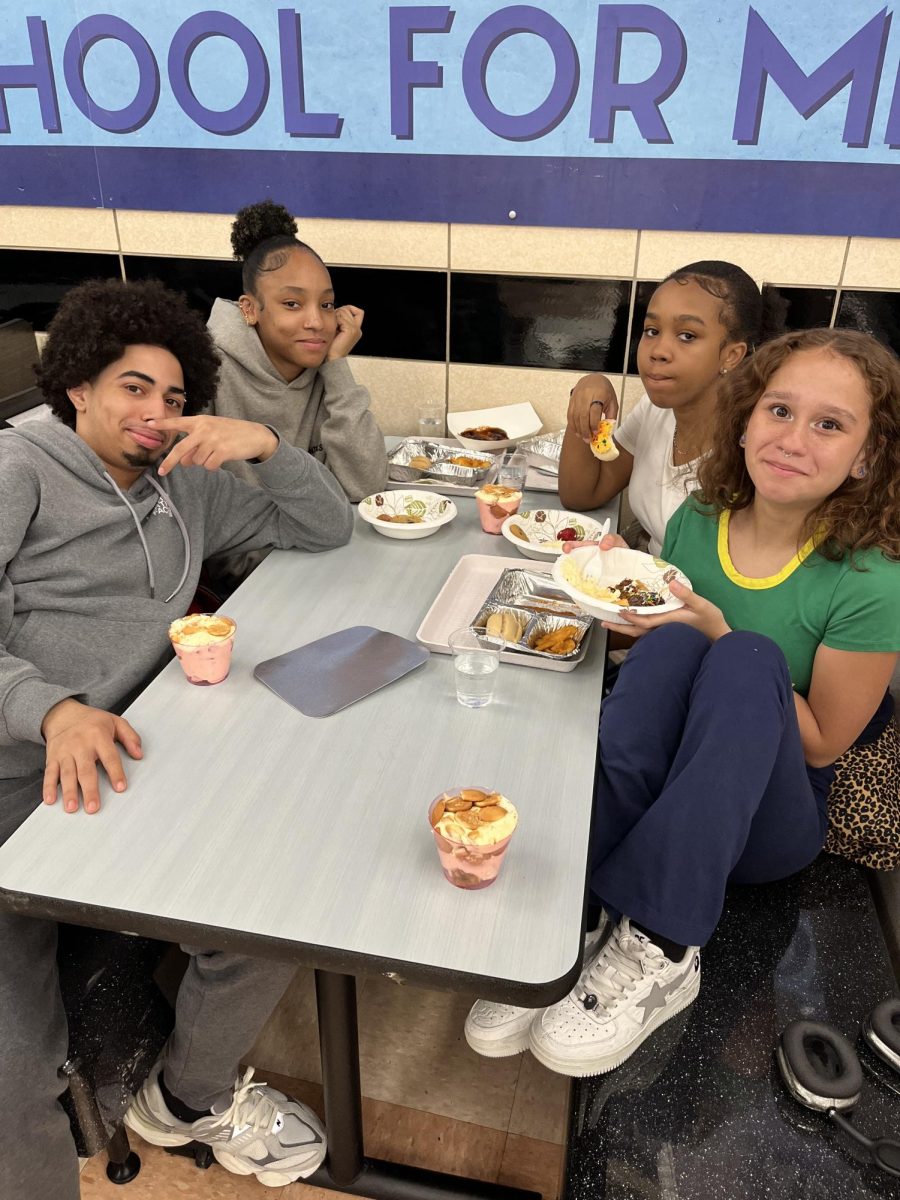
223 1002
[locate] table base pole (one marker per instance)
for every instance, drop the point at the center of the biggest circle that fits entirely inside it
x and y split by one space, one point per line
346 1169
393 1181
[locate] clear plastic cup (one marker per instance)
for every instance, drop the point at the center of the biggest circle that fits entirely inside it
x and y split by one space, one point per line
475 665
495 506
464 864
513 471
430 420
205 662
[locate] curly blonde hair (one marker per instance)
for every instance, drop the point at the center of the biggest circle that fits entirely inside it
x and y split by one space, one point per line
861 513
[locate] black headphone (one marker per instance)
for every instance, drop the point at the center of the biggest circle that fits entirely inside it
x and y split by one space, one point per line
821 1071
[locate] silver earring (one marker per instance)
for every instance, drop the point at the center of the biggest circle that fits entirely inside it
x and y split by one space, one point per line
742 440
860 472
724 371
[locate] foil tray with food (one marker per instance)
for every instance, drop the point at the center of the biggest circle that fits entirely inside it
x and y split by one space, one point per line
543 634
416 459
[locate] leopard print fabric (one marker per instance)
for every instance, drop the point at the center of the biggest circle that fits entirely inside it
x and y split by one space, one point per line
864 803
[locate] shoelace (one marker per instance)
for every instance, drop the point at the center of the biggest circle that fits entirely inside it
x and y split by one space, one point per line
249 1108
615 972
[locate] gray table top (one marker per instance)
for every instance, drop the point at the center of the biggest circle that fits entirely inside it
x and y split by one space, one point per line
250 826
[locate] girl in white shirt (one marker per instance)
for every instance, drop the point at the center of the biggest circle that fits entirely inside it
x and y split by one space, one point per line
701 322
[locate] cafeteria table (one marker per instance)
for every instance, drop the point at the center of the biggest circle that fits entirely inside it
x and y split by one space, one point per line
250 827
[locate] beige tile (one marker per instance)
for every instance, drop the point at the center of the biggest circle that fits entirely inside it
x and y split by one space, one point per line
541 1103
419 1139
769 258
529 250
535 1165
632 392
377 243
361 243
474 387
187 235
57 228
398 387
412 1052
873 263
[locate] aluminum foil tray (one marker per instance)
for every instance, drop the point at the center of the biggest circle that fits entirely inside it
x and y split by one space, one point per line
545 445
400 471
534 592
535 627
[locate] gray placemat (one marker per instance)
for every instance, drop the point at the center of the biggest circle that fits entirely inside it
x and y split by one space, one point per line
333 672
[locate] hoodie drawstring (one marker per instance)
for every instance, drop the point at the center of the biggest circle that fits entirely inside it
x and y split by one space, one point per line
137 524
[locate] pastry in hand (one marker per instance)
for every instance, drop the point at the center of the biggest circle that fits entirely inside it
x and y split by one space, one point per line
602 444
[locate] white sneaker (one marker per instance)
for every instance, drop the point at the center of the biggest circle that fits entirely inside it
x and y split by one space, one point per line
499 1030
627 992
262 1132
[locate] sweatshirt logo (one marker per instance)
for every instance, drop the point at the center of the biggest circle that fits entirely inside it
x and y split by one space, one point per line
162 509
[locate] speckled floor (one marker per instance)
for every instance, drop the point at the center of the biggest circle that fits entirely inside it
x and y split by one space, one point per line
698 1112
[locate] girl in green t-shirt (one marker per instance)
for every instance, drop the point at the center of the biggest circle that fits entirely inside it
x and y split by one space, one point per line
717 742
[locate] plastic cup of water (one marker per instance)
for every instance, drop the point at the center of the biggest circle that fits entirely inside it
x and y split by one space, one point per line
431 421
475 663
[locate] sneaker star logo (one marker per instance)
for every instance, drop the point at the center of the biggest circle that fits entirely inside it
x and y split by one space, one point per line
658 997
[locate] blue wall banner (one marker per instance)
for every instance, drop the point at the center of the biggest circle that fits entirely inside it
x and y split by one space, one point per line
684 114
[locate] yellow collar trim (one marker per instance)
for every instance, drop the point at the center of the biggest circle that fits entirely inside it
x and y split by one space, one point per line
746 581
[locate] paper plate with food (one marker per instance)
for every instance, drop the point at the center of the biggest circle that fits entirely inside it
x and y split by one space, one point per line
494 428
542 532
605 582
407 515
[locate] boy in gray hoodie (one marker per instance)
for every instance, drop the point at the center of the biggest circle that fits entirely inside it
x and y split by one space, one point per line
105 522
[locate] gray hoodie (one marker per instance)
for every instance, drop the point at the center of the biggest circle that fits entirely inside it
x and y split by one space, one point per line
92 576
324 411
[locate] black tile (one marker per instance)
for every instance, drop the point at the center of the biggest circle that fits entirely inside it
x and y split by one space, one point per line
805 308
32 282
200 280
645 290
877 313
405 310
529 321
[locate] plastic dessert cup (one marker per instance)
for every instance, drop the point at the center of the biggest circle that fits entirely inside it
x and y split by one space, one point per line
466 865
494 509
203 645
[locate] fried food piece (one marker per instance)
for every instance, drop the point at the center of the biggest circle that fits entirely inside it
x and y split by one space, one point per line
558 641
466 460
399 519
517 531
505 625
420 461
602 444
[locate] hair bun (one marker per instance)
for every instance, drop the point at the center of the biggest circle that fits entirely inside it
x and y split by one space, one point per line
257 223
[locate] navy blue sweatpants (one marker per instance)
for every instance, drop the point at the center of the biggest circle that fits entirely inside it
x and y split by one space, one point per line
701 780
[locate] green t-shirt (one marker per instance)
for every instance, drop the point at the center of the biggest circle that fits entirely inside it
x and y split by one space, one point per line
810 602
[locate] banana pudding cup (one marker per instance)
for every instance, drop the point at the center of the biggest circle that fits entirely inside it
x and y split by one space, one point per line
495 504
203 643
472 829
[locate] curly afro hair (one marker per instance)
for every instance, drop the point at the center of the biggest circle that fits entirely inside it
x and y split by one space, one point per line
263 235
98 320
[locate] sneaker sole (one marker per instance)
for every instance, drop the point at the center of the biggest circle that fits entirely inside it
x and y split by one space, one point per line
268 1177
499 1049
608 1062
150 1131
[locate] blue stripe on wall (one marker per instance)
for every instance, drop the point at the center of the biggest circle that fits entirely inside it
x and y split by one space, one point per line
714 195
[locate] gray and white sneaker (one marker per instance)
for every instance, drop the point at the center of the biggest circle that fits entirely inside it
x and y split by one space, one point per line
262 1132
500 1030
629 990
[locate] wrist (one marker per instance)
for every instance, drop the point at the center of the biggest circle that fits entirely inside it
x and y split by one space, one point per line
59 717
269 447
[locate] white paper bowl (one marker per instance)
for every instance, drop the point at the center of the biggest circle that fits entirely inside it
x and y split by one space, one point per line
436 510
616 565
542 525
518 420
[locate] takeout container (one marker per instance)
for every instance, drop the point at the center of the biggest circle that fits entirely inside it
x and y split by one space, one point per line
517 420
610 567
542 525
435 511
441 469
535 625
541 608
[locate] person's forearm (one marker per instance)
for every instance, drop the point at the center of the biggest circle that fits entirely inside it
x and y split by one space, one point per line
816 750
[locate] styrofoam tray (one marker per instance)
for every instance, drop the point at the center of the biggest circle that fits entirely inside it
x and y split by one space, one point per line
463 595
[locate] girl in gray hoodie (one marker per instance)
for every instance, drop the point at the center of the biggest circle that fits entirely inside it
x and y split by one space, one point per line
284 350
